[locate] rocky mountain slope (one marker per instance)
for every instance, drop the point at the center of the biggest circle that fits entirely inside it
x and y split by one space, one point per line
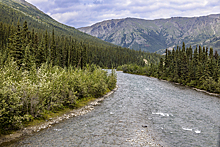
157 35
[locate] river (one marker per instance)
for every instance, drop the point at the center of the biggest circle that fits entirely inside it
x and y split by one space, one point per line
144 111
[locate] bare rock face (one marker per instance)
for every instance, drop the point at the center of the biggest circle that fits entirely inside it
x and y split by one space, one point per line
154 35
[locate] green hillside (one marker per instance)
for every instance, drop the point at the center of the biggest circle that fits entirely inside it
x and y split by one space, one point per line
12 11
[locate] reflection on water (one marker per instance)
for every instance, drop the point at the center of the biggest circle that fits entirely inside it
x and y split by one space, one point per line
175 116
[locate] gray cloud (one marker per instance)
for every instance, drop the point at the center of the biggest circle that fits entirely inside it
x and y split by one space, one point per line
79 13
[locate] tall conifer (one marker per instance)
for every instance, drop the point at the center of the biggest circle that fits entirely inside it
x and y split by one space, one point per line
16 49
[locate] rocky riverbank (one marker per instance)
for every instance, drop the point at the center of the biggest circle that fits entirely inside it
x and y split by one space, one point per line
33 129
213 94
200 90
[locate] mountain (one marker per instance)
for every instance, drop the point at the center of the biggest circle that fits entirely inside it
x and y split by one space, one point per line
48 40
159 34
13 10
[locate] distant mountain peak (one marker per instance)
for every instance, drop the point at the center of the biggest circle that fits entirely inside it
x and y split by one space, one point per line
158 34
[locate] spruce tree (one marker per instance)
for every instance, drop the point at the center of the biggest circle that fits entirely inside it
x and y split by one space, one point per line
183 47
84 56
16 51
160 69
166 59
184 69
1 36
196 57
46 46
211 53
35 44
53 48
200 53
203 55
190 53
28 59
64 53
216 56
74 53
25 33
40 55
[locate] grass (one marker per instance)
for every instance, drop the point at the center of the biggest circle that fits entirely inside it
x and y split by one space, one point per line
47 115
83 102
51 114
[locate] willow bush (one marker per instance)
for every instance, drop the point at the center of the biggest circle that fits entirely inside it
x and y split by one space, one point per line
27 94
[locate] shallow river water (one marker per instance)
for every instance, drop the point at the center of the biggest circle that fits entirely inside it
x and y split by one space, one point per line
175 116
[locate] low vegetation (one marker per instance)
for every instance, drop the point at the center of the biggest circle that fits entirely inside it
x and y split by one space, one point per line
29 94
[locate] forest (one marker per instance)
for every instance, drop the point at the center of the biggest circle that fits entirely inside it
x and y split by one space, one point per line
197 67
45 72
37 78
64 50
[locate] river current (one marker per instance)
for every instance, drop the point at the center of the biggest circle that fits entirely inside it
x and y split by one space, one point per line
144 111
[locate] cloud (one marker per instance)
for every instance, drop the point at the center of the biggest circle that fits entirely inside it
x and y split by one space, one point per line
79 13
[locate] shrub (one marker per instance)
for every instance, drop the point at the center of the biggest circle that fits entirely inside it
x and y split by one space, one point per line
27 94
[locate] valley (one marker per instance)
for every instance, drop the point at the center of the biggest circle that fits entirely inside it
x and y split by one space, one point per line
56 80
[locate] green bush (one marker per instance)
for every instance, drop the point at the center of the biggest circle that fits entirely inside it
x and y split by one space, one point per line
27 94
112 79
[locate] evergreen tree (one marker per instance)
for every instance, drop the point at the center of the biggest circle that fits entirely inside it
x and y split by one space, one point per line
216 56
200 53
53 48
25 34
206 52
16 51
1 36
40 55
160 69
28 59
64 53
183 47
195 57
190 53
46 47
203 55
35 44
211 53
84 55
166 59
184 69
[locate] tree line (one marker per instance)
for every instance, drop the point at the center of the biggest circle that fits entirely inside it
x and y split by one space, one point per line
28 47
197 67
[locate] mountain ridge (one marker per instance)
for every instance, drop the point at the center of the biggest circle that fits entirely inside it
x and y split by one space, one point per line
154 35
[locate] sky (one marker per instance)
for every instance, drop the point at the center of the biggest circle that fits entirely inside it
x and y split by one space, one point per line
82 13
